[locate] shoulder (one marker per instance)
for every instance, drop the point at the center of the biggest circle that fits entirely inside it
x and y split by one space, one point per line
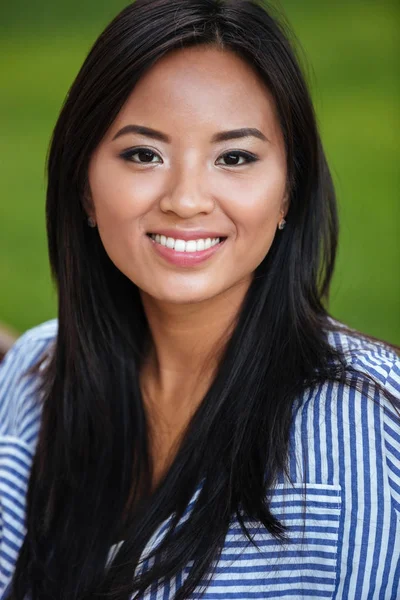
374 368
373 374
19 387
369 394
20 416
364 355
372 371
348 432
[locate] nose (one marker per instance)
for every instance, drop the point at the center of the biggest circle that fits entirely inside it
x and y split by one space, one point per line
187 195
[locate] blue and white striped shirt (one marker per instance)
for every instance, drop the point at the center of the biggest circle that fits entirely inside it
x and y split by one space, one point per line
342 512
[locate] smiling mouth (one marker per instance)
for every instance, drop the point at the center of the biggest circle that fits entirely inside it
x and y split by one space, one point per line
178 245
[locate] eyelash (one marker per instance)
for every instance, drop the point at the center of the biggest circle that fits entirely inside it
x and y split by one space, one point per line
128 154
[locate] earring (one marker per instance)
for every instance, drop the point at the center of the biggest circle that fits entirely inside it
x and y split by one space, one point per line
91 222
282 224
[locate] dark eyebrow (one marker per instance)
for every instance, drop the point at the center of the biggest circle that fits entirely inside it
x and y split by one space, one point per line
223 136
141 130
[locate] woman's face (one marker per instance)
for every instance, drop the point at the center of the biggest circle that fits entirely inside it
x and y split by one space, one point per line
178 164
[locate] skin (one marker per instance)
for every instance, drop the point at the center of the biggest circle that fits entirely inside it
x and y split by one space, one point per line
190 95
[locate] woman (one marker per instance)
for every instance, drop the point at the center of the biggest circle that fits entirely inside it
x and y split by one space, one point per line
195 424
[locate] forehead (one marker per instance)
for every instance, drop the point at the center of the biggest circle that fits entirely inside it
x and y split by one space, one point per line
202 85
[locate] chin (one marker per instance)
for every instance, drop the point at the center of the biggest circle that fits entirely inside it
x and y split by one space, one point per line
180 296
183 298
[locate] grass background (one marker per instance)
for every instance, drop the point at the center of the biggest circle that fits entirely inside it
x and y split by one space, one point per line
352 49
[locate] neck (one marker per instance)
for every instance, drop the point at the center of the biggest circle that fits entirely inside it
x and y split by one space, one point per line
186 343
187 339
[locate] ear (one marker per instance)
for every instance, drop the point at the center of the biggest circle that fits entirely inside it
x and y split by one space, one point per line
87 203
284 206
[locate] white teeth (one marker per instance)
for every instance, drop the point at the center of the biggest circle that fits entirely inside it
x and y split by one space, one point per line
200 245
179 246
191 246
182 246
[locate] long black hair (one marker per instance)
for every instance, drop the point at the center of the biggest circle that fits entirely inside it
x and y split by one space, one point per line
90 482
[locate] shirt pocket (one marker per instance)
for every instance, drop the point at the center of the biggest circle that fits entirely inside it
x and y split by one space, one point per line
303 567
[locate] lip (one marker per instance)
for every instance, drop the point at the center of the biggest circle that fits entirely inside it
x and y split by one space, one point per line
185 259
188 234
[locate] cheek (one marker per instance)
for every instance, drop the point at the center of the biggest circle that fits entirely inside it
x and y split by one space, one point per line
255 207
258 231
117 196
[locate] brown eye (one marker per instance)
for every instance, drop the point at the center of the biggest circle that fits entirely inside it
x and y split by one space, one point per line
145 155
237 158
140 156
232 159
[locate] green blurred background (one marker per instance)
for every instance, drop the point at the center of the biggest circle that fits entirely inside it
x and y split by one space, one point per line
352 48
